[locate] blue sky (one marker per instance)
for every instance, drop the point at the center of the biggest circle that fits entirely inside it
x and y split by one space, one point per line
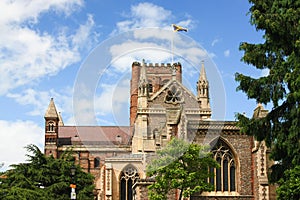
64 48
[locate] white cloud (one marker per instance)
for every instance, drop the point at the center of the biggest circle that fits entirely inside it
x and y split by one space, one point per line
108 100
81 38
154 44
112 97
14 137
18 11
211 55
138 50
28 53
39 100
227 53
214 42
146 14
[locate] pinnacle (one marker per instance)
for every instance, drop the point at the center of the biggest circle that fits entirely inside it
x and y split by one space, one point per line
51 111
202 72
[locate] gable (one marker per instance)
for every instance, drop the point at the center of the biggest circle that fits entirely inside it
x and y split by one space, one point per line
173 94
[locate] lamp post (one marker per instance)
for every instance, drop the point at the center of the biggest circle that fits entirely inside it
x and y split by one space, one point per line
73 184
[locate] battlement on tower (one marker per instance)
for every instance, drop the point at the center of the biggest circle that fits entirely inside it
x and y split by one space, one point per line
161 65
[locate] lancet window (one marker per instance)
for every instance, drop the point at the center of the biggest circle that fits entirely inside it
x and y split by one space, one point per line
224 178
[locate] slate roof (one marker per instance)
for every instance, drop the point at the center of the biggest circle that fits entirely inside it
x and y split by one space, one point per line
93 135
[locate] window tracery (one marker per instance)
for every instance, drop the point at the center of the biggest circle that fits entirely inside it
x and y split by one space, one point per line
174 95
127 179
224 178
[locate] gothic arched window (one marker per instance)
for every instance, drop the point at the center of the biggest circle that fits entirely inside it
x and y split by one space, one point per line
224 178
127 179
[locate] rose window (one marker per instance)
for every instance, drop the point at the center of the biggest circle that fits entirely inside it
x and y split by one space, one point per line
174 95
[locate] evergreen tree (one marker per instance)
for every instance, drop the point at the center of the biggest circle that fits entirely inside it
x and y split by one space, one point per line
182 166
290 185
45 177
280 55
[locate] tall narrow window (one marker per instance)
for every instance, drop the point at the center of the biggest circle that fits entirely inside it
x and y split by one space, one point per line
128 177
212 179
150 88
225 175
96 162
51 127
218 176
232 176
224 179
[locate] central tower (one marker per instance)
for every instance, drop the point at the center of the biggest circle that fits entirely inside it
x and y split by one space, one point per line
161 106
157 76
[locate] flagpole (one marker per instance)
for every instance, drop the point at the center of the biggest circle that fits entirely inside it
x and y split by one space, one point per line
176 29
172 48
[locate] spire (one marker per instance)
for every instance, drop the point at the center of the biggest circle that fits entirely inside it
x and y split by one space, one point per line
143 73
202 72
51 111
60 123
203 88
143 82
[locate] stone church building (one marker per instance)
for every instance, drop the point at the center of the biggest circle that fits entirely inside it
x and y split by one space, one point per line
161 107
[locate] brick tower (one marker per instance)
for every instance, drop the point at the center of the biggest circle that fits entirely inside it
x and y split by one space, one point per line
51 129
157 76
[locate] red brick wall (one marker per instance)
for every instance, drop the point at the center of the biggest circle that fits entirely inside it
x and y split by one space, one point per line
156 74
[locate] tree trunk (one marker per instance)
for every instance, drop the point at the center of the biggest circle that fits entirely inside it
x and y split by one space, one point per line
180 195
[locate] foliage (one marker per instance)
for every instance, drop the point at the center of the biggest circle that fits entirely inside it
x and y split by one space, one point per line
180 166
45 177
290 185
280 55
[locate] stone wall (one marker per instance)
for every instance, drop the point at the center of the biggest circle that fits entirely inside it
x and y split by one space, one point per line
157 75
241 146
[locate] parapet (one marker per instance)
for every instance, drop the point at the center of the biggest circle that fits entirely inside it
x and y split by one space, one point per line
167 65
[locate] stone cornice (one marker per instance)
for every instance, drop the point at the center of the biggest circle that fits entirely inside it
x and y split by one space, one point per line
197 112
163 111
151 110
210 124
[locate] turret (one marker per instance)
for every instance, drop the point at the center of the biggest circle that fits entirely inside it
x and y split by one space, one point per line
51 129
143 92
203 89
141 122
143 82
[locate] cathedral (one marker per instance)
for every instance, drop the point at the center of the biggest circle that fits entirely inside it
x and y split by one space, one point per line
161 108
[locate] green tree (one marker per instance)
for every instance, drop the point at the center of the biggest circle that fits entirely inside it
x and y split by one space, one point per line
280 55
290 185
45 177
182 166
